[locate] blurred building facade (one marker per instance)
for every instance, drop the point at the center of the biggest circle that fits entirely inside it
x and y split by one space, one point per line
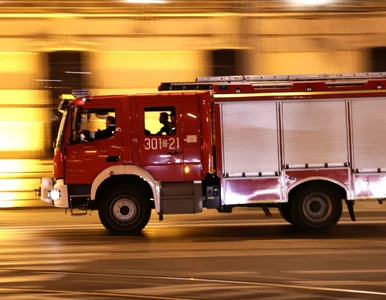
48 48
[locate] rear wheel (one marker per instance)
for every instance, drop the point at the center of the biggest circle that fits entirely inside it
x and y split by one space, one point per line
316 208
285 212
124 210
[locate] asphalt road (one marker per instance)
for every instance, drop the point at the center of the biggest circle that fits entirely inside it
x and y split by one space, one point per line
46 254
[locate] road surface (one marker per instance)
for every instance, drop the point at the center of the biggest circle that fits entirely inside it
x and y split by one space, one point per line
46 254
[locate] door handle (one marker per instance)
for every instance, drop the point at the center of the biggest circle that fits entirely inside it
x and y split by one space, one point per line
112 158
174 152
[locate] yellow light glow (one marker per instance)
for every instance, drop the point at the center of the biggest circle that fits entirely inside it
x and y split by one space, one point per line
23 127
311 2
24 136
152 60
111 15
7 185
146 1
97 92
67 97
24 97
152 121
19 62
186 169
150 67
16 191
24 165
6 200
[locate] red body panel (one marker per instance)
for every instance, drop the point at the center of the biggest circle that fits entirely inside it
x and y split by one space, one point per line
190 159
298 90
205 105
337 175
370 185
218 139
250 190
191 137
156 152
133 135
129 142
178 157
58 164
84 161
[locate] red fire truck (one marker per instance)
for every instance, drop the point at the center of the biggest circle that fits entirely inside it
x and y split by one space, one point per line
302 143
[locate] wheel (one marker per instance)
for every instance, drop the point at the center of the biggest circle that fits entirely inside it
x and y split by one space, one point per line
285 212
316 208
124 210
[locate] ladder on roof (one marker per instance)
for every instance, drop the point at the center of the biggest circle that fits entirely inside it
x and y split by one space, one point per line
305 77
206 82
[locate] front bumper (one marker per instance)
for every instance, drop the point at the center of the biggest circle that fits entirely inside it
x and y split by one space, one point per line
53 193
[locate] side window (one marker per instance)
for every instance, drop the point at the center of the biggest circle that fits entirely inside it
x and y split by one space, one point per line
95 124
160 120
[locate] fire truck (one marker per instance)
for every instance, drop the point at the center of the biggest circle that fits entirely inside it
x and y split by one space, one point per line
302 143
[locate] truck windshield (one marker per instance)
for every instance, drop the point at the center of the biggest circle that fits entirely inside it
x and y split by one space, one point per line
59 138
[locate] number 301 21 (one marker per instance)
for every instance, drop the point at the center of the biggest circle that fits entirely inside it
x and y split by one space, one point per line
162 143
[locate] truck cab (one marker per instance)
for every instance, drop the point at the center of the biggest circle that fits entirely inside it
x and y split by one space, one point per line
124 155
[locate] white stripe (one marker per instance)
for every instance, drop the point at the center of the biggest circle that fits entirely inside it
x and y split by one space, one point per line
340 283
338 271
31 278
163 224
83 293
249 283
168 289
54 262
218 281
277 285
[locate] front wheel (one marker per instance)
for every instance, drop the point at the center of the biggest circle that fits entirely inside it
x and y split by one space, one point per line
124 210
316 208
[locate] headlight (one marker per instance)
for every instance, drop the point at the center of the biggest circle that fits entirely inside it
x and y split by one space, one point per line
55 194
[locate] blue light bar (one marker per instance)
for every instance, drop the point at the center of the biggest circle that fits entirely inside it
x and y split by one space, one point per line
81 93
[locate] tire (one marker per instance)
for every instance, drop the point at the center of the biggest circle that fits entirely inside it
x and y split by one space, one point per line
124 210
285 212
316 208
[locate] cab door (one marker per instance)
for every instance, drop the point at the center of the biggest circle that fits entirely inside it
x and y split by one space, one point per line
86 158
160 140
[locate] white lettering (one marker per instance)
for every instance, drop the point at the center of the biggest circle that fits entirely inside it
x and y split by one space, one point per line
147 144
162 143
154 144
172 141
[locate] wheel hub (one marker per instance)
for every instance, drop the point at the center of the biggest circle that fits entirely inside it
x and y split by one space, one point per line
317 207
124 210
